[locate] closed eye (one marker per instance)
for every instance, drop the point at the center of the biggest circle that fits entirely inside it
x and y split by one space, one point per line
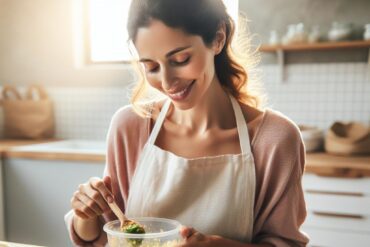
181 62
153 70
150 67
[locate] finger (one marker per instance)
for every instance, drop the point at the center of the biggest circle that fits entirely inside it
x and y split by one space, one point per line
74 205
82 208
196 237
95 195
90 203
99 185
108 183
186 232
81 215
191 235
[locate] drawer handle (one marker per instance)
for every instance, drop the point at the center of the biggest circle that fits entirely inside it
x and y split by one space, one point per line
358 194
348 216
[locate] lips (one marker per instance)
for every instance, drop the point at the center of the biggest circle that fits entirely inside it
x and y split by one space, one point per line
181 94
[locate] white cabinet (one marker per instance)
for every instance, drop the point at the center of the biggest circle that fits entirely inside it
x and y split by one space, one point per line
37 195
338 210
2 221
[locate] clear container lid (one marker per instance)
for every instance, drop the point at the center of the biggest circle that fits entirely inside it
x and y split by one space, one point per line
154 228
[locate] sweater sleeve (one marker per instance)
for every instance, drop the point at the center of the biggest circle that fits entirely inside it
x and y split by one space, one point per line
280 205
281 228
120 165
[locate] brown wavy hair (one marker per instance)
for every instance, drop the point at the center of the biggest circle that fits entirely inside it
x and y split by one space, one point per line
234 65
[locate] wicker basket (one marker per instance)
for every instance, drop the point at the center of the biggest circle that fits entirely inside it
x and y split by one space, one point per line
348 139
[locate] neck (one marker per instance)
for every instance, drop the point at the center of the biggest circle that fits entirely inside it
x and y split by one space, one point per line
214 110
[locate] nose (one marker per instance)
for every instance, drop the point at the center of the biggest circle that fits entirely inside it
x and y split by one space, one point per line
168 79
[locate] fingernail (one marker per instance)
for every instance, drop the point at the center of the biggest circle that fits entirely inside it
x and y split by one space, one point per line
110 199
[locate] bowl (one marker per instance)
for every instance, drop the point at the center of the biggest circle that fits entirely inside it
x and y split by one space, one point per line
159 232
312 137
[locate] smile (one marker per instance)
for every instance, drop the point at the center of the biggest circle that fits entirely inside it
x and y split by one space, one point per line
181 95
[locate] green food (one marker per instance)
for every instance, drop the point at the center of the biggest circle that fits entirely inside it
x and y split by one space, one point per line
135 228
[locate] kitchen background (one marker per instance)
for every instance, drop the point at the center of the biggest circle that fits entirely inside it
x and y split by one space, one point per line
38 45
41 42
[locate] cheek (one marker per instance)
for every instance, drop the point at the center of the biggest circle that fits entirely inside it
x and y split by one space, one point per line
154 82
200 67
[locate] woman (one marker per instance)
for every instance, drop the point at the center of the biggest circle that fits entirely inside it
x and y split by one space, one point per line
206 156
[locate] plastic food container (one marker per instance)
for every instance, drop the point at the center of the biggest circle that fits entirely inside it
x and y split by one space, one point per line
159 232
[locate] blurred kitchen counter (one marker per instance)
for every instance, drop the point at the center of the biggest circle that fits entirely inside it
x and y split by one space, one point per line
9 244
6 151
324 164
6 144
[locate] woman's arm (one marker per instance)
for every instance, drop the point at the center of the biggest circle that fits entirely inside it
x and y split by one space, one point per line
280 206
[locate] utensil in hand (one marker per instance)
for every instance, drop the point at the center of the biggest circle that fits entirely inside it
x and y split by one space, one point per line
126 224
118 212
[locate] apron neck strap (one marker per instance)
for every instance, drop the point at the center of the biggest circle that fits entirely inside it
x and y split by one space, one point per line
240 123
159 122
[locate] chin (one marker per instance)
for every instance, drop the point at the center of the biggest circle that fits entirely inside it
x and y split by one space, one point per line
183 106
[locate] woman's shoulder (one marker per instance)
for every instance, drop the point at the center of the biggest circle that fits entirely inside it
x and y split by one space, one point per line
127 119
269 123
275 128
276 119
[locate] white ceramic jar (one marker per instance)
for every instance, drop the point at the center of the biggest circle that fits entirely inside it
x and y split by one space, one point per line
339 31
367 32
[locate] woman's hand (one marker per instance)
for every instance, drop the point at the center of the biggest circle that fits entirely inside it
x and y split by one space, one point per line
90 200
193 238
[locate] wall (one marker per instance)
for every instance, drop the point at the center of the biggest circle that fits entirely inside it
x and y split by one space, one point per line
267 15
320 87
321 93
38 44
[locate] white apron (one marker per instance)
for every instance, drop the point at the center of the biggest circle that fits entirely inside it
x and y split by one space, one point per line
215 195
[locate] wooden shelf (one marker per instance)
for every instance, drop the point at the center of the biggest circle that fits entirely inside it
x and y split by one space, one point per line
280 50
324 164
317 46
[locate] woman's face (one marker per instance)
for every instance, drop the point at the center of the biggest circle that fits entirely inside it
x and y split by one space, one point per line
178 64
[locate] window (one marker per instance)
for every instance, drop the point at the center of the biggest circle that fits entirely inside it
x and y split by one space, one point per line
107 37
107 30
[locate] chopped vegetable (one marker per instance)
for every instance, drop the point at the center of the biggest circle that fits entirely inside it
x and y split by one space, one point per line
135 228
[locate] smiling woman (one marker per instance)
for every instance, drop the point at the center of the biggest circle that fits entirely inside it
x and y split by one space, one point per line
107 39
207 154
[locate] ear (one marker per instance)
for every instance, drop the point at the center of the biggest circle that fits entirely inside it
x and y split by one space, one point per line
220 39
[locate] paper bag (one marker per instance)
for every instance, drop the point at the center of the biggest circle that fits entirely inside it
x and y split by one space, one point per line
28 117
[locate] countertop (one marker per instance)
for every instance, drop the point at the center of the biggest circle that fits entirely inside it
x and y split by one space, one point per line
325 164
9 244
322 164
7 152
5 145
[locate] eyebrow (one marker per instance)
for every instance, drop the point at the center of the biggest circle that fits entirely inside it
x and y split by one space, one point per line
168 54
